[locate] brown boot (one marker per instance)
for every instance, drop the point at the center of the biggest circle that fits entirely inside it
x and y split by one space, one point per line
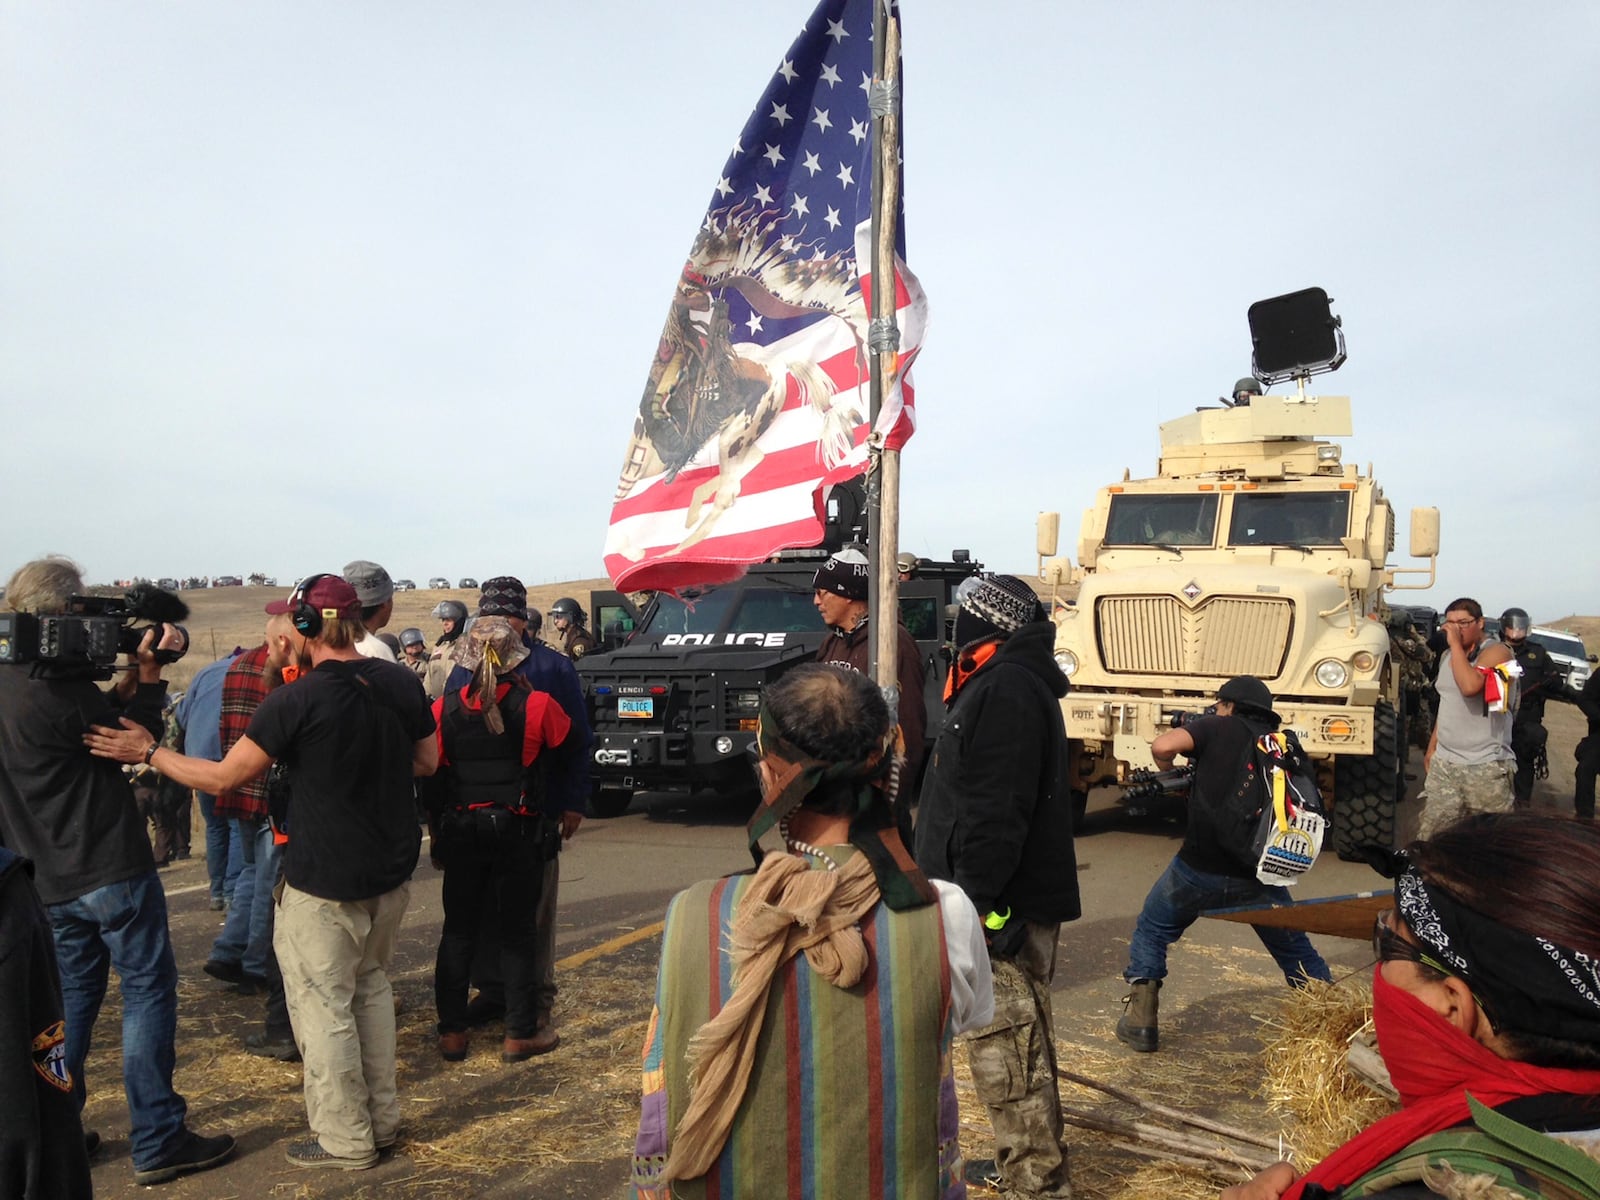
453 1046
1137 1027
515 1050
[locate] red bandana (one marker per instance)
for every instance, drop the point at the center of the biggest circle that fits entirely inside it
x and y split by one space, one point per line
1433 1065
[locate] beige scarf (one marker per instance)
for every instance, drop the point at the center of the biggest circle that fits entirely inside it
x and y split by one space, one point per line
789 908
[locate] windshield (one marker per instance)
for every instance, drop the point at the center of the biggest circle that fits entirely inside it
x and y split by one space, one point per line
1289 519
1162 520
1560 643
736 610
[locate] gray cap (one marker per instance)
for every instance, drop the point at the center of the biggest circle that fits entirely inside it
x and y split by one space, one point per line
371 582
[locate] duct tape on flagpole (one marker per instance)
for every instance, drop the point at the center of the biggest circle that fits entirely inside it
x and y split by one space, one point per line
883 335
883 97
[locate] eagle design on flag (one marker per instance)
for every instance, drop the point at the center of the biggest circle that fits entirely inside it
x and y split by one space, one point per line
703 390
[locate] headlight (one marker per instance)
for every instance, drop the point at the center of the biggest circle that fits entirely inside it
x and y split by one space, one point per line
1067 661
724 744
1331 673
1363 661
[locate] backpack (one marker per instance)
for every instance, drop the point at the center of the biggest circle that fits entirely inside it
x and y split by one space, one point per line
1281 810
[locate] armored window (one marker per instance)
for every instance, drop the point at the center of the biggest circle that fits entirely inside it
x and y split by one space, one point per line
1162 520
1303 519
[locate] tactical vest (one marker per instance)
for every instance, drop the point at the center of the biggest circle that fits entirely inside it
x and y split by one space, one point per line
486 768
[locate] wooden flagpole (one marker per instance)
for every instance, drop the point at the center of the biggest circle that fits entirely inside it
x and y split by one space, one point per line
883 477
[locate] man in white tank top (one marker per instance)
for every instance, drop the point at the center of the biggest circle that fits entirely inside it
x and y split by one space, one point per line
1469 760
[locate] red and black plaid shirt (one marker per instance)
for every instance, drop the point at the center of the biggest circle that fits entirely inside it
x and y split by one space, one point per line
243 689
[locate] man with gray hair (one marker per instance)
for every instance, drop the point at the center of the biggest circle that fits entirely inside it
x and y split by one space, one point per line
75 817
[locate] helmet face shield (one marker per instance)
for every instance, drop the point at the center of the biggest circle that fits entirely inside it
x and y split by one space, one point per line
1515 620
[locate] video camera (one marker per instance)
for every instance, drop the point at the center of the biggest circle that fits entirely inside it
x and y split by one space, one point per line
85 640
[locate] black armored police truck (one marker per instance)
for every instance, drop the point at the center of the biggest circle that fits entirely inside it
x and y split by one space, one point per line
674 687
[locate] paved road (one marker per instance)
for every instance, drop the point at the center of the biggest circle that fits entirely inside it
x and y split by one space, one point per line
575 1106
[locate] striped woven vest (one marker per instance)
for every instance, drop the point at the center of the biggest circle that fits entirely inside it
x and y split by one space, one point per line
852 1093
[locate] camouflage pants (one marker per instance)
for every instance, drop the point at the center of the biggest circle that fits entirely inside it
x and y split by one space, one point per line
1455 790
1014 1071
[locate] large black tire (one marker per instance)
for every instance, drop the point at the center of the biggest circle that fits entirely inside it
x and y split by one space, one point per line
1367 790
609 800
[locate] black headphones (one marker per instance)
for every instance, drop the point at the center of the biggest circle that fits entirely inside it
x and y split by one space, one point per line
307 619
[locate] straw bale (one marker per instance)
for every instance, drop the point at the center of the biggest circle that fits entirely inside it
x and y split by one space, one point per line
1306 1075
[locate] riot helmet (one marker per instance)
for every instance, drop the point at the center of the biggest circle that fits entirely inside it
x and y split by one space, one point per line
450 610
1244 388
568 609
412 637
1514 625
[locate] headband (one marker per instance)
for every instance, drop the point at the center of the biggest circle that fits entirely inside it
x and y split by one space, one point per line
1529 984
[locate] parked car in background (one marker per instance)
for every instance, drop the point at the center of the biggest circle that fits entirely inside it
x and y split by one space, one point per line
1568 652
405 585
167 583
227 581
467 581
438 581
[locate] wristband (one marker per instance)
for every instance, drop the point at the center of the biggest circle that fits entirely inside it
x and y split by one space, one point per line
151 752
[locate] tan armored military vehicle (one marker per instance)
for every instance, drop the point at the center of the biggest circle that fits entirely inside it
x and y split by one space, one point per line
1255 550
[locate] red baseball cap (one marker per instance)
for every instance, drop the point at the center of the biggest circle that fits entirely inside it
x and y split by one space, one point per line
328 593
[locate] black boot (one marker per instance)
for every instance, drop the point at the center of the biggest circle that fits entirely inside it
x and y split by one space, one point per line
1137 1027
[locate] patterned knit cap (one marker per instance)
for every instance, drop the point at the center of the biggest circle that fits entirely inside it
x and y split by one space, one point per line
503 596
995 606
845 574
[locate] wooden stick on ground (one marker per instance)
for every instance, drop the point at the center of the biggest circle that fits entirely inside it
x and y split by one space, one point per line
1154 1153
1162 1110
1154 1135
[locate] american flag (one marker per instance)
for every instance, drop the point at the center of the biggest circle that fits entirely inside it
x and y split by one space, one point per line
758 395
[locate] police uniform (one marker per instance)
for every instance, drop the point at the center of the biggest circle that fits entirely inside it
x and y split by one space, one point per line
576 641
1541 679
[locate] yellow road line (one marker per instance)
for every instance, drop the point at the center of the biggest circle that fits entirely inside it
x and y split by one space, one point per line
609 946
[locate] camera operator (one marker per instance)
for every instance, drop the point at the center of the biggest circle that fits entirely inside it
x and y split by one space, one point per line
75 816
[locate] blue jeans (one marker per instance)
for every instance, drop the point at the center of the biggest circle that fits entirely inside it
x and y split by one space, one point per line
124 925
246 937
224 854
1183 893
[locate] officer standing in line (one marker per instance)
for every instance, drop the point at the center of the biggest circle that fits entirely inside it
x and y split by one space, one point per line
568 618
1541 679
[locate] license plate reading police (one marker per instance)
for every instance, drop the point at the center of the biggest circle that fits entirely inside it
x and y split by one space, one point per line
639 708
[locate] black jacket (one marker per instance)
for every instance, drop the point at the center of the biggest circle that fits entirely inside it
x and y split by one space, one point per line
41 1139
73 814
996 811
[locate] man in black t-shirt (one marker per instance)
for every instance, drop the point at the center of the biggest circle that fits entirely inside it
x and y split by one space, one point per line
1209 871
352 732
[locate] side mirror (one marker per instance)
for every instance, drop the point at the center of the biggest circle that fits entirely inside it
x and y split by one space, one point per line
1047 534
1424 532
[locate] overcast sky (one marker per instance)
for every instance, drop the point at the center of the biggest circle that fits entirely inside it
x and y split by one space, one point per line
285 284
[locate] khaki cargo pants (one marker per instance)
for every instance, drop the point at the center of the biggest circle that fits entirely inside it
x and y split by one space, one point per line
335 958
1454 790
1014 1072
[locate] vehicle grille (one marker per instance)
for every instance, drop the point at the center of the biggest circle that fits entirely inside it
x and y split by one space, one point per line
1222 636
